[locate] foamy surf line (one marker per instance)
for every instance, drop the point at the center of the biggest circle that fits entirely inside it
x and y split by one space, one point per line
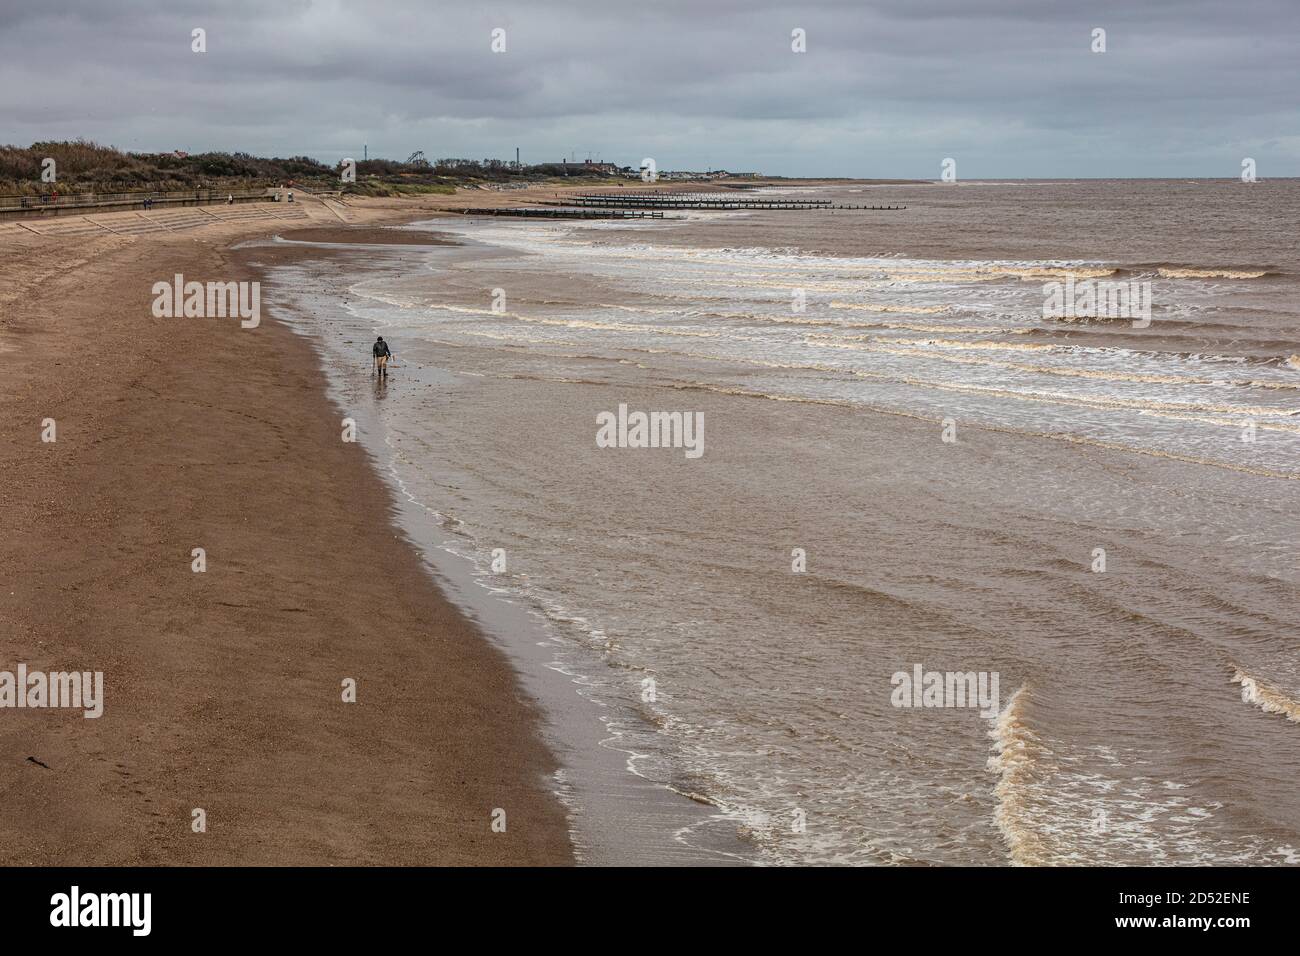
1266 696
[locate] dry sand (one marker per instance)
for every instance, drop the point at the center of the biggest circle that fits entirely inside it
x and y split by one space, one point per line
223 689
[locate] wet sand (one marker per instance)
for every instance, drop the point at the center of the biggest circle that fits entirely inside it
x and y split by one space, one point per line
223 689
365 235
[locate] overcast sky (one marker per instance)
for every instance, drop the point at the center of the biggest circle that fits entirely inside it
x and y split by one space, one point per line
1009 88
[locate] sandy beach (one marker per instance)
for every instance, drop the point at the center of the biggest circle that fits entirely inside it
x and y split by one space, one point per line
830 535
224 689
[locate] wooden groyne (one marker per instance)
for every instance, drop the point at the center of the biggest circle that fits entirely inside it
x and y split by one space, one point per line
619 202
523 212
669 199
663 194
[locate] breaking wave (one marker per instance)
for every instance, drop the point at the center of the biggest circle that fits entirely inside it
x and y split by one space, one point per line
1019 758
1189 272
1265 696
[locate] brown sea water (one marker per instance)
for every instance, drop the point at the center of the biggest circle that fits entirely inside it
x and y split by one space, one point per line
1147 712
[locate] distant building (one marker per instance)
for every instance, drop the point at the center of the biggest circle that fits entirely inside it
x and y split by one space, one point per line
711 174
588 168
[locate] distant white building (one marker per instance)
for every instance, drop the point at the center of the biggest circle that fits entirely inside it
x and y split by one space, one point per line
711 174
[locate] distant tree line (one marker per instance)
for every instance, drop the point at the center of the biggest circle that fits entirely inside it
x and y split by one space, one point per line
85 166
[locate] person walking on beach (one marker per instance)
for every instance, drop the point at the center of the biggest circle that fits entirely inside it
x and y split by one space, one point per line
382 354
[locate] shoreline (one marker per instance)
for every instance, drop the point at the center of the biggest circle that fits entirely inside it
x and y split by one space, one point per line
773 685
618 813
223 688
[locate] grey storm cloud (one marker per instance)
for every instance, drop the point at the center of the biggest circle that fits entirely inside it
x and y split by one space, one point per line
1008 87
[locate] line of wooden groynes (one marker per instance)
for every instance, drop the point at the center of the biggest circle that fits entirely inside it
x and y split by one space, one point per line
668 195
700 200
715 204
562 213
